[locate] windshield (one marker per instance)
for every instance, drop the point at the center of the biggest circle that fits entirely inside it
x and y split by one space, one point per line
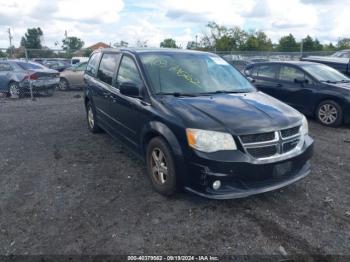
325 73
28 66
192 74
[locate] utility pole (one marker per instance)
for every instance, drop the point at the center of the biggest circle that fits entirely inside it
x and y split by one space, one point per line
196 42
10 39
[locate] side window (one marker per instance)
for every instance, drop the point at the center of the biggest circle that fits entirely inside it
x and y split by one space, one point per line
267 71
108 67
4 67
92 66
128 72
288 73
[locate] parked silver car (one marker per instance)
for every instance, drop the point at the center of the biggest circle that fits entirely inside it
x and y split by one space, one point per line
17 76
72 77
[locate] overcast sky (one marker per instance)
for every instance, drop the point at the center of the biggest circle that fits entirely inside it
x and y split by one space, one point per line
130 20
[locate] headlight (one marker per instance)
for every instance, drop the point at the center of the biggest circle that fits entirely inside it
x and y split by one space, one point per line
304 126
209 141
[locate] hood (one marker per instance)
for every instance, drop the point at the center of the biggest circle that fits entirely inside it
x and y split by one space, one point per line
344 86
246 113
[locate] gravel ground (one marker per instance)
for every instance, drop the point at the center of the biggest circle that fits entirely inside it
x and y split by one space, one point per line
64 190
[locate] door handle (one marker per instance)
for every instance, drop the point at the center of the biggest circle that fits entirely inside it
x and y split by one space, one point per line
278 85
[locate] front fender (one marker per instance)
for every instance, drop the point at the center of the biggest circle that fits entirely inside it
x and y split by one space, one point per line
163 130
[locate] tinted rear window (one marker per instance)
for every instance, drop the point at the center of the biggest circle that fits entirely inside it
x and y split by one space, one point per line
28 66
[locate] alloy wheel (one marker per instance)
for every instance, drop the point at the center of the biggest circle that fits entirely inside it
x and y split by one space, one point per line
159 166
14 90
328 114
63 85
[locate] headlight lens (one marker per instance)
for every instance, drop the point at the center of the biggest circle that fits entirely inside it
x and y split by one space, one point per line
209 141
304 126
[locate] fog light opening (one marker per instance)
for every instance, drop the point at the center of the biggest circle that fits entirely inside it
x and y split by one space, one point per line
216 184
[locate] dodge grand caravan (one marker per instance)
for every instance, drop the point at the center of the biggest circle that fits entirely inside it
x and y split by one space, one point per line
197 122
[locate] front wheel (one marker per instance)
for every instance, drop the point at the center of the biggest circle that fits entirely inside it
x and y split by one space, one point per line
329 113
160 167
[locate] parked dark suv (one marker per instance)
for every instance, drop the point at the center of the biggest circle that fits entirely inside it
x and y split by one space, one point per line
314 89
197 122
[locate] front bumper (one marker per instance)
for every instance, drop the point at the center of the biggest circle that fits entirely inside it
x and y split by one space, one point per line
241 178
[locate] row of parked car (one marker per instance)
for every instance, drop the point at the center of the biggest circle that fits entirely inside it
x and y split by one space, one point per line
19 77
318 86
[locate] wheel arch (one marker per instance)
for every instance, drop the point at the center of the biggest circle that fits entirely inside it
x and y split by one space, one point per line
323 98
158 129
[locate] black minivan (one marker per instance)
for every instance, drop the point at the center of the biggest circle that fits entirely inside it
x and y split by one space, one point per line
197 122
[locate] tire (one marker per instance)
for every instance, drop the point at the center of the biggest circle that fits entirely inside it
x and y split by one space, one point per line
91 119
63 85
14 90
329 113
159 157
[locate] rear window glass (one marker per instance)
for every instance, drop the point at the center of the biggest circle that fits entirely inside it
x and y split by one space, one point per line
28 66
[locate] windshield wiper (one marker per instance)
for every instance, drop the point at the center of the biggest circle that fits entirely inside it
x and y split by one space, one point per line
328 81
223 92
176 94
335 82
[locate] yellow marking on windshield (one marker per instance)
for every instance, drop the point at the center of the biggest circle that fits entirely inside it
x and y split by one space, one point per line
162 63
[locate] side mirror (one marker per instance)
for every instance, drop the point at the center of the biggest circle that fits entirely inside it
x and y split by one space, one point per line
251 80
129 89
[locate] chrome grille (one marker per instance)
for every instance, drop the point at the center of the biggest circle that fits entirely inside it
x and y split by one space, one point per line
271 144
261 152
290 132
258 137
290 145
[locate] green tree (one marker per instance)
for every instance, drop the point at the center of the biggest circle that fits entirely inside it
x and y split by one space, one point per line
287 44
169 43
329 47
72 43
2 54
309 44
343 43
32 39
257 41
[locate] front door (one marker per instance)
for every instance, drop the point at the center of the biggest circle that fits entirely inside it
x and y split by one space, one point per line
130 112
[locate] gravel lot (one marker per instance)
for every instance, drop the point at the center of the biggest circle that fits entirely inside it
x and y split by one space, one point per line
64 190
